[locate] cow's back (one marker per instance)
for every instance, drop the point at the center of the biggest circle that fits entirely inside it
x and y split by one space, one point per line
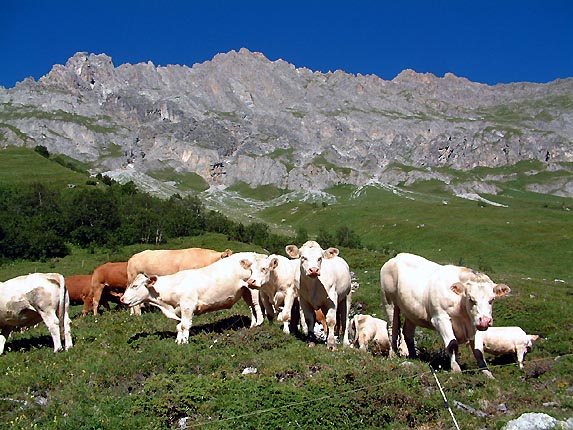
162 262
79 287
111 274
405 282
21 296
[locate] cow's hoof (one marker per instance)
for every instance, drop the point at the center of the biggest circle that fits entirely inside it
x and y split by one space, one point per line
311 344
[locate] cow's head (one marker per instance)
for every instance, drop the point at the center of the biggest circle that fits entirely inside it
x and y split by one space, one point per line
245 273
478 292
531 338
311 255
140 290
262 269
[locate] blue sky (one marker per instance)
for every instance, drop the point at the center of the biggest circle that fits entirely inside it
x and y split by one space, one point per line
485 41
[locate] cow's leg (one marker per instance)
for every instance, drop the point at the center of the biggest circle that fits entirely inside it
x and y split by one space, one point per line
296 318
394 325
342 323
408 337
478 354
251 297
444 327
185 324
68 342
96 294
309 319
135 310
268 306
520 355
331 321
3 337
289 299
53 323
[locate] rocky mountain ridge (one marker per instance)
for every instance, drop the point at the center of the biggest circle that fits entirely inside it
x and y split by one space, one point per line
243 118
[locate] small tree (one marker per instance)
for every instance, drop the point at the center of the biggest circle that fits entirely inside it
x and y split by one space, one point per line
42 150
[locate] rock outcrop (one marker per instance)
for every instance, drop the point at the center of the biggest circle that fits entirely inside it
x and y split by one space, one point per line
242 117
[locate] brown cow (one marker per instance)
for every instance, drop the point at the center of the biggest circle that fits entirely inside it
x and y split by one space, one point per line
168 261
80 290
111 275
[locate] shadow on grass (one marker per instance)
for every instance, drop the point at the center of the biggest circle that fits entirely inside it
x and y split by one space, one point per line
234 322
28 343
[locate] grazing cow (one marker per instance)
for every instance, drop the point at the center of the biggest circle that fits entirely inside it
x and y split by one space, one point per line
366 328
191 292
168 261
455 301
325 284
505 340
80 290
110 275
27 300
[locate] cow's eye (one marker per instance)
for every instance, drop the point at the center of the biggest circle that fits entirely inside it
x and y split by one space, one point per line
472 301
491 301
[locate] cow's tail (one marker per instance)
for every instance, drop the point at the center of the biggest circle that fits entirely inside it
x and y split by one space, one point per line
62 305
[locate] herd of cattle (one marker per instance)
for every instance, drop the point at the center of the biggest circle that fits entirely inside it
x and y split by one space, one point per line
311 285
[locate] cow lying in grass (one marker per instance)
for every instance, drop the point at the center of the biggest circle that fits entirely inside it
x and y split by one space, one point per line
197 291
365 328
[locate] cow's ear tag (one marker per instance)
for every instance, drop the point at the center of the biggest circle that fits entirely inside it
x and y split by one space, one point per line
457 288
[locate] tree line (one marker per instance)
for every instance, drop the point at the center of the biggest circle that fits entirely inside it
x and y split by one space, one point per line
39 222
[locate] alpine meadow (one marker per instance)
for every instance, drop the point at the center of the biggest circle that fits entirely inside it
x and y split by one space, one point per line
126 371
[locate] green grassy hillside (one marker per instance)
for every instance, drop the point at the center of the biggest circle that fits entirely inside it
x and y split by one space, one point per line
127 372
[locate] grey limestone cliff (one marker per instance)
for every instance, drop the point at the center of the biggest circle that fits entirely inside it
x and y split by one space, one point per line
242 117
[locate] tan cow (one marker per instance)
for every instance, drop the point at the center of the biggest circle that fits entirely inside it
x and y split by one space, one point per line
191 292
366 328
109 275
168 261
325 284
454 301
30 299
505 340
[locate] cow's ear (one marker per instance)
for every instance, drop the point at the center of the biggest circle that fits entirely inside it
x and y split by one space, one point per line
501 290
274 263
458 288
534 337
245 264
226 253
292 251
331 252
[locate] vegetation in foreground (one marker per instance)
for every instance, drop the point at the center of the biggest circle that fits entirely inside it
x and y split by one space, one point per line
127 372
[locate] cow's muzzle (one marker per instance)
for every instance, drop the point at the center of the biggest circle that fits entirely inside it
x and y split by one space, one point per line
313 272
484 322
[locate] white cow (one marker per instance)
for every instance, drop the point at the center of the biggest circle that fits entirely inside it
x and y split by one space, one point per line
455 301
366 328
191 292
505 340
27 300
325 284
277 279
